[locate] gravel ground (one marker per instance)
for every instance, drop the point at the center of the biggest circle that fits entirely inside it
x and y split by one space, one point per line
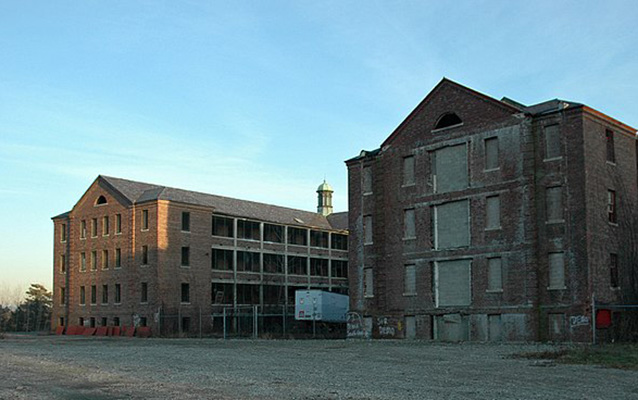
49 367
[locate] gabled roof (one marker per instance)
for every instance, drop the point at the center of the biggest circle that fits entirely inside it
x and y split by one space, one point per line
444 82
139 192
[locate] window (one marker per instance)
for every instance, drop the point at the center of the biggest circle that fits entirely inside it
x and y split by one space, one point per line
142 321
339 268
453 283
93 294
222 293
452 225
298 236
611 152
104 321
448 120
556 271
552 142
186 293
297 265
367 180
118 224
368 287
100 200
186 221
94 227
339 242
63 263
118 258
319 239
222 259
367 229
319 266
247 229
118 293
144 255
105 259
611 206
494 274
186 252
613 270
222 226
409 280
92 322
94 260
63 233
554 204
247 261
247 294
273 263
273 233
81 321
493 211
449 169
83 229
274 294
105 226
491 154
144 220
105 294
61 321
144 292
409 227
408 171
82 262
82 296
116 321
62 296
186 324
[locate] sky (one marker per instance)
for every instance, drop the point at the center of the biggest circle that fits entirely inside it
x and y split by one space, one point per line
262 100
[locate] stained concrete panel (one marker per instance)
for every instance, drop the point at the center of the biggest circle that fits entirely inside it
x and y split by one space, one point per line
453 281
451 168
452 225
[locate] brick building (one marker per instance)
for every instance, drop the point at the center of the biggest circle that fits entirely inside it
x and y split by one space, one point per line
132 253
480 219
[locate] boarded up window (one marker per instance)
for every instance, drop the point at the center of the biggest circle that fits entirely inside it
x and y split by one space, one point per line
552 142
491 153
450 168
556 271
611 206
409 228
368 286
408 171
613 270
556 325
409 280
493 209
494 328
494 274
554 203
367 180
452 228
367 229
453 281
611 152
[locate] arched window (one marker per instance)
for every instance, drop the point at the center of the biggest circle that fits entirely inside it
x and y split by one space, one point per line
100 200
448 119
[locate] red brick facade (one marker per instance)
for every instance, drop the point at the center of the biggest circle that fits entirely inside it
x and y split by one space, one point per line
519 298
150 243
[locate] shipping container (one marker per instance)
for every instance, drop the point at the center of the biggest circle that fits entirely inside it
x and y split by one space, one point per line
323 306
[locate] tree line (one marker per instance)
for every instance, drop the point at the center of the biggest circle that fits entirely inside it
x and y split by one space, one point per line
29 315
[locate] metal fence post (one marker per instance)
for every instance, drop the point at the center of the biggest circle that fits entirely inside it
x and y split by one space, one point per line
593 319
284 318
224 323
255 322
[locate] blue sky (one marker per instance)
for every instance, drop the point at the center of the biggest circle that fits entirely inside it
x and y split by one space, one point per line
263 99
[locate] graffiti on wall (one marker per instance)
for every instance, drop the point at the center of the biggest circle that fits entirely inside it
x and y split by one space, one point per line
385 329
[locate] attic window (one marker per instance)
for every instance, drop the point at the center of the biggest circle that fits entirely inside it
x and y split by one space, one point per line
447 120
100 200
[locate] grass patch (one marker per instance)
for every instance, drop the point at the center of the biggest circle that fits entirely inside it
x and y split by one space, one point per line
621 356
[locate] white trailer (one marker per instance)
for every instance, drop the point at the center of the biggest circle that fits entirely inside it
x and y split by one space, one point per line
317 305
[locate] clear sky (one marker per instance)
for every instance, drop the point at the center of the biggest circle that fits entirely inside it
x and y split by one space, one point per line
261 100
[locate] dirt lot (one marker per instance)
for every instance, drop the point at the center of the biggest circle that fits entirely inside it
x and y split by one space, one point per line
78 367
